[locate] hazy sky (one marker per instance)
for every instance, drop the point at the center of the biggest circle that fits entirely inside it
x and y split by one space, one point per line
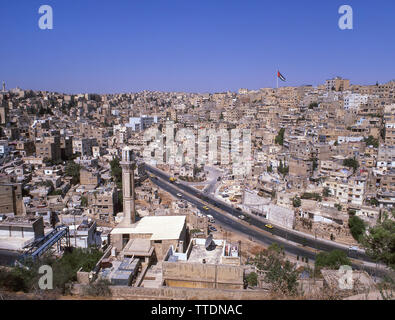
195 46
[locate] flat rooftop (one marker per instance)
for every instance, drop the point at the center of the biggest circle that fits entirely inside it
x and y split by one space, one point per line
18 221
14 243
199 253
138 247
160 227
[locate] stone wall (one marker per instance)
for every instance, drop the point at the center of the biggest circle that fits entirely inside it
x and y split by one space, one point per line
198 275
165 293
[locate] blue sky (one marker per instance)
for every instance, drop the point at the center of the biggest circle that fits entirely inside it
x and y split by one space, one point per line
195 46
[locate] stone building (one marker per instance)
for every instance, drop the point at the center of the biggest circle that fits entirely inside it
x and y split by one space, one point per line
214 265
89 178
11 199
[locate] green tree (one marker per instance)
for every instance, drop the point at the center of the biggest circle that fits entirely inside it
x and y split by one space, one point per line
73 170
326 192
308 196
351 163
270 169
379 242
382 133
120 201
296 202
283 169
374 202
280 272
84 201
351 212
338 206
116 171
371 141
25 278
357 227
57 192
331 260
280 137
252 279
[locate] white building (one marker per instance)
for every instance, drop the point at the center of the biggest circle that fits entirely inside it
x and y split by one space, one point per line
353 101
141 123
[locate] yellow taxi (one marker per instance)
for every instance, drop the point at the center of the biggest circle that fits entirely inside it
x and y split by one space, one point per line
269 226
206 208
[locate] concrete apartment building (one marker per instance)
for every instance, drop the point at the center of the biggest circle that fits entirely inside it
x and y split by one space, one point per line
353 101
141 123
300 167
66 147
347 192
49 148
11 199
3 111
5 148
337 84
90 178
83 146
103 203
386 158
389 119
25 147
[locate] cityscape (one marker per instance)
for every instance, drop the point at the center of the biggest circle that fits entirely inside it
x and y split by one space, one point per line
286 192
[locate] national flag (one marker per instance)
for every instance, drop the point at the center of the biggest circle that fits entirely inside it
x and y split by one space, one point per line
279 75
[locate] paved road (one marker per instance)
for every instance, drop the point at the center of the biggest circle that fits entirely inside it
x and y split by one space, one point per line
214 174
299 245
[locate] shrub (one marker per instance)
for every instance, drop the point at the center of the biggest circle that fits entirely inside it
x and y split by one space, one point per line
314 196
296 202
332 260
351 163
280 137
357 227
252 279
99 288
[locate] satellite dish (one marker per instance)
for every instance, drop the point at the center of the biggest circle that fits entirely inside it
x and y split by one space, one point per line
210 244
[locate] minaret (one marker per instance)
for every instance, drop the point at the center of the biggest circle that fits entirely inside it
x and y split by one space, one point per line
3 86
128 166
